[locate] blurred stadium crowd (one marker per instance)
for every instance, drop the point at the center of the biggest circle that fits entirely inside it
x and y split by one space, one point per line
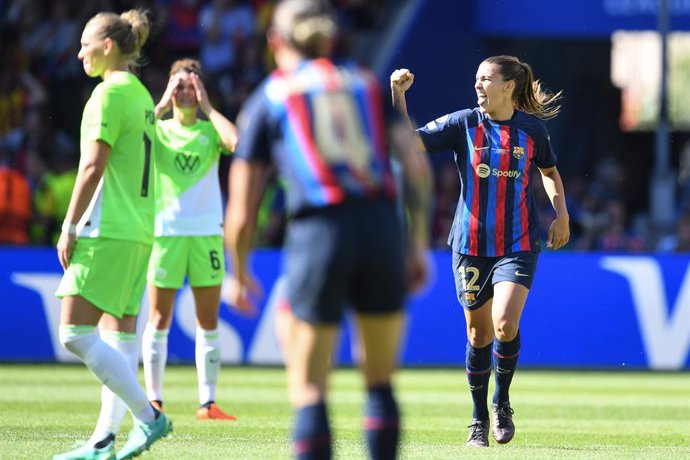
43 90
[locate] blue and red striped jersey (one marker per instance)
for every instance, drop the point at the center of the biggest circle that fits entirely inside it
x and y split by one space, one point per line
495 215
323 126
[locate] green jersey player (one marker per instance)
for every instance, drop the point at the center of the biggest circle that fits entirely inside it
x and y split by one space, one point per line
108 230
188 231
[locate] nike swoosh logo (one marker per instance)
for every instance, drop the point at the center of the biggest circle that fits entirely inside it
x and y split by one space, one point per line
476 149
517 273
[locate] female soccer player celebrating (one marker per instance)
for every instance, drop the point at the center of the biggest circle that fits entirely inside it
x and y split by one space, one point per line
495 237
108 231
323 126
189 230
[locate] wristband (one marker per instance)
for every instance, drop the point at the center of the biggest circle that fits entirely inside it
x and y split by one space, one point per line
69 228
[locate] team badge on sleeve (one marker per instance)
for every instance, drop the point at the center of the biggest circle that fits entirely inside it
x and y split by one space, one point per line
433 125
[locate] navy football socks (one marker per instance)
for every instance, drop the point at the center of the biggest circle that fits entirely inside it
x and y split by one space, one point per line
505 357
312 435
382 423
478 366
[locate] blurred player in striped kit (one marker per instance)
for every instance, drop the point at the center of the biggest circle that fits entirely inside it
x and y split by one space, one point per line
322 124
498 147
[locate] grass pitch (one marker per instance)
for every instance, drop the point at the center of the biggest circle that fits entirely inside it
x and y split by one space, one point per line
583 415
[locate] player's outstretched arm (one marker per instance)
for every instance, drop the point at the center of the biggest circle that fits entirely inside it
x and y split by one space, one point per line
401 80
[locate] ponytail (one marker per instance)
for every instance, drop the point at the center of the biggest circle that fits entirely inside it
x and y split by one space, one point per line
130 30
528 95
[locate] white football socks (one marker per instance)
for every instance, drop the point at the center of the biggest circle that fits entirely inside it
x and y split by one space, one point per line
154 350
113 409
109 366
207 354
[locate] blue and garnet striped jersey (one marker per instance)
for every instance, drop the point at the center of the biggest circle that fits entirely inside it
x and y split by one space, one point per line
323 126
495 215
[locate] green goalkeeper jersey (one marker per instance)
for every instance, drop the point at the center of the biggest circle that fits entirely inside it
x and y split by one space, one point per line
121 113
188 198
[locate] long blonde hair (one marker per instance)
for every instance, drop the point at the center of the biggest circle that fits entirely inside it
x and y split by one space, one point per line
129 30
528 96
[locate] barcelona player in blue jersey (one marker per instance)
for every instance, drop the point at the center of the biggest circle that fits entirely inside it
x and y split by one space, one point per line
322 124
498 148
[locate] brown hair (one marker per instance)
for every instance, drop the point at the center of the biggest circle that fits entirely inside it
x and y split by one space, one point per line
129 30
528 95
188 65
308 25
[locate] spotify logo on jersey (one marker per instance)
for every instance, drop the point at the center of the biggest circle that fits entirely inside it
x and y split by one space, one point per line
483 170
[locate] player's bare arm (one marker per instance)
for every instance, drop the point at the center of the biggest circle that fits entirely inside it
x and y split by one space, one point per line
559 231
89 175
165 104
225 128
247 181
418 186
401 80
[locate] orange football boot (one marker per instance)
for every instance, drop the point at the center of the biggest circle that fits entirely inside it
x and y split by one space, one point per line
211 411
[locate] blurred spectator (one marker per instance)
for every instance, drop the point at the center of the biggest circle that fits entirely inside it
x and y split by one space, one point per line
680 241
590 218
225 25
362 14
247 72
609 174
54 43
52 196
32 146
19 91
684 179
264 13
182 28
615 234
15 204
24 15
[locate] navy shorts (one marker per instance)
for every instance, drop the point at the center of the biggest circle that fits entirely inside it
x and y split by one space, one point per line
348 254
475 276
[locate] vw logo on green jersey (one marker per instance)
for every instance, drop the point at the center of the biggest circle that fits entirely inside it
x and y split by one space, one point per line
187 163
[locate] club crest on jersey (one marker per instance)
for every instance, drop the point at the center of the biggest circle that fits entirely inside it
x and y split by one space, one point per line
518 152
161 273
187 163
470 298
483 170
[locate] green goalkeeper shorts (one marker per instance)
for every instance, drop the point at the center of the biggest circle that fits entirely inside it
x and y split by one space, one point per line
111 274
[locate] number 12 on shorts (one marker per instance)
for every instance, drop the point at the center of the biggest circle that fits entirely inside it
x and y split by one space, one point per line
473 274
